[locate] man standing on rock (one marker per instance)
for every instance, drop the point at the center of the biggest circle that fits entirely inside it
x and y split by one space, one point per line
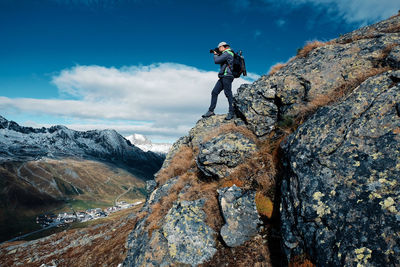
225 59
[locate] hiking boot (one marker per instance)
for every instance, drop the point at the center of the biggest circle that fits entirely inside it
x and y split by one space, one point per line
208 114
229 116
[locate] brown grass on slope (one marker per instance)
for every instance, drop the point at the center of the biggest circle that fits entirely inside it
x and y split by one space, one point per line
337 94
276 68
104 239
230 128
311 45
182 161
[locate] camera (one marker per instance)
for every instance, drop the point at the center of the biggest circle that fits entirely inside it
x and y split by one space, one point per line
215 50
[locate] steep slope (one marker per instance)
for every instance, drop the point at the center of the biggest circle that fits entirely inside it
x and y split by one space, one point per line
308 169
99 244
18 143
58 169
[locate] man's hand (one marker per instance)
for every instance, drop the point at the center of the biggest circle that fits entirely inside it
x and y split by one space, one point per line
215 53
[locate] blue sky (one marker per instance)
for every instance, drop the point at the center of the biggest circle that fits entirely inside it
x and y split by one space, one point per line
144 66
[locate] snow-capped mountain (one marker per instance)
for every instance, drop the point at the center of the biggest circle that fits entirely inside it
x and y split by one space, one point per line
19 143
145 144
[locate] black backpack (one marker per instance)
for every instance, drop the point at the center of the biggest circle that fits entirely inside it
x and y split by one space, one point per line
239 66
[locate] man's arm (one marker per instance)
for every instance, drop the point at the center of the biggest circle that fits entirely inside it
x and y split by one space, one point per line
221 59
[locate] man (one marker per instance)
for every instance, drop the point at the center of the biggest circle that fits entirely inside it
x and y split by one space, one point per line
225 59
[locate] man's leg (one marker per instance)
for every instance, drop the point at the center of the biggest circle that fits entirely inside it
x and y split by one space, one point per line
214 94
227 84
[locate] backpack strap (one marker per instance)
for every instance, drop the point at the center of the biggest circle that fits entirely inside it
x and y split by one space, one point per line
227 63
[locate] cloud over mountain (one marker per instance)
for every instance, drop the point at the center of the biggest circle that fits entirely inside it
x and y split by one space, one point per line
166 97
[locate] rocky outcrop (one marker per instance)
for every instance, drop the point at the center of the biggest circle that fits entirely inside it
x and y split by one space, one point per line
341 195
240 215
182 237
336 165
190 240
322 72
220 155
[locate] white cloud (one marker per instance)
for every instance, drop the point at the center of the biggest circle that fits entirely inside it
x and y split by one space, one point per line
170 97
257 33
280 22
356 11
359 12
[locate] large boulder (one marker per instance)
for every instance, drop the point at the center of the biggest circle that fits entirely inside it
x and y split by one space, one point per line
190 239
256 103
144 249
341 195
321 72
183 237
240 214
206 127
220 155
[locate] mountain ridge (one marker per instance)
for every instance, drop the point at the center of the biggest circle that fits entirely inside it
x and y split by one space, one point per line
20 143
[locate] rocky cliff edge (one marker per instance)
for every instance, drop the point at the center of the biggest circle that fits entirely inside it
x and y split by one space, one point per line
307 173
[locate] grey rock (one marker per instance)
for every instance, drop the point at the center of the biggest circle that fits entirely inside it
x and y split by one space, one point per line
272 98
341 192
204 127
256 103
150 186
240 214
159 193
220 155
190 239
183 239
393 58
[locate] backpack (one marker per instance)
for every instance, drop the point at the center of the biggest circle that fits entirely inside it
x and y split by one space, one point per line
239 66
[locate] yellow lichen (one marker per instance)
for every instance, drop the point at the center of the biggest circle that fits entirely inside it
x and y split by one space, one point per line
388 204
264 205
321 208
362 255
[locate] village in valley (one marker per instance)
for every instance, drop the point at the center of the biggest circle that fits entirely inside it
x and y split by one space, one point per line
64 218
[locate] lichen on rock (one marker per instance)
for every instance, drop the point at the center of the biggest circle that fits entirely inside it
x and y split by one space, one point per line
240 214
190 240
342 187
220 155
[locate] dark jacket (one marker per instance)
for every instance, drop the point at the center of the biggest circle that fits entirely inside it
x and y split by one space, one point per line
223 59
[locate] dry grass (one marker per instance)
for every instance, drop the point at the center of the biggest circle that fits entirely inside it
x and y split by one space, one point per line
106 245
252 253
197 189
301 261
259 169
231 182
161 208
311 45
337 94
276 67
385 52
182 161
207 190
396 15
392 28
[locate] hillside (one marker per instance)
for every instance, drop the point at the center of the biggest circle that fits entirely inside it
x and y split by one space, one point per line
57 170
307 174
19 143
100 243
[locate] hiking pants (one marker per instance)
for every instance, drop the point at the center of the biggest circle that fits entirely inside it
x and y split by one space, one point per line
224 83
